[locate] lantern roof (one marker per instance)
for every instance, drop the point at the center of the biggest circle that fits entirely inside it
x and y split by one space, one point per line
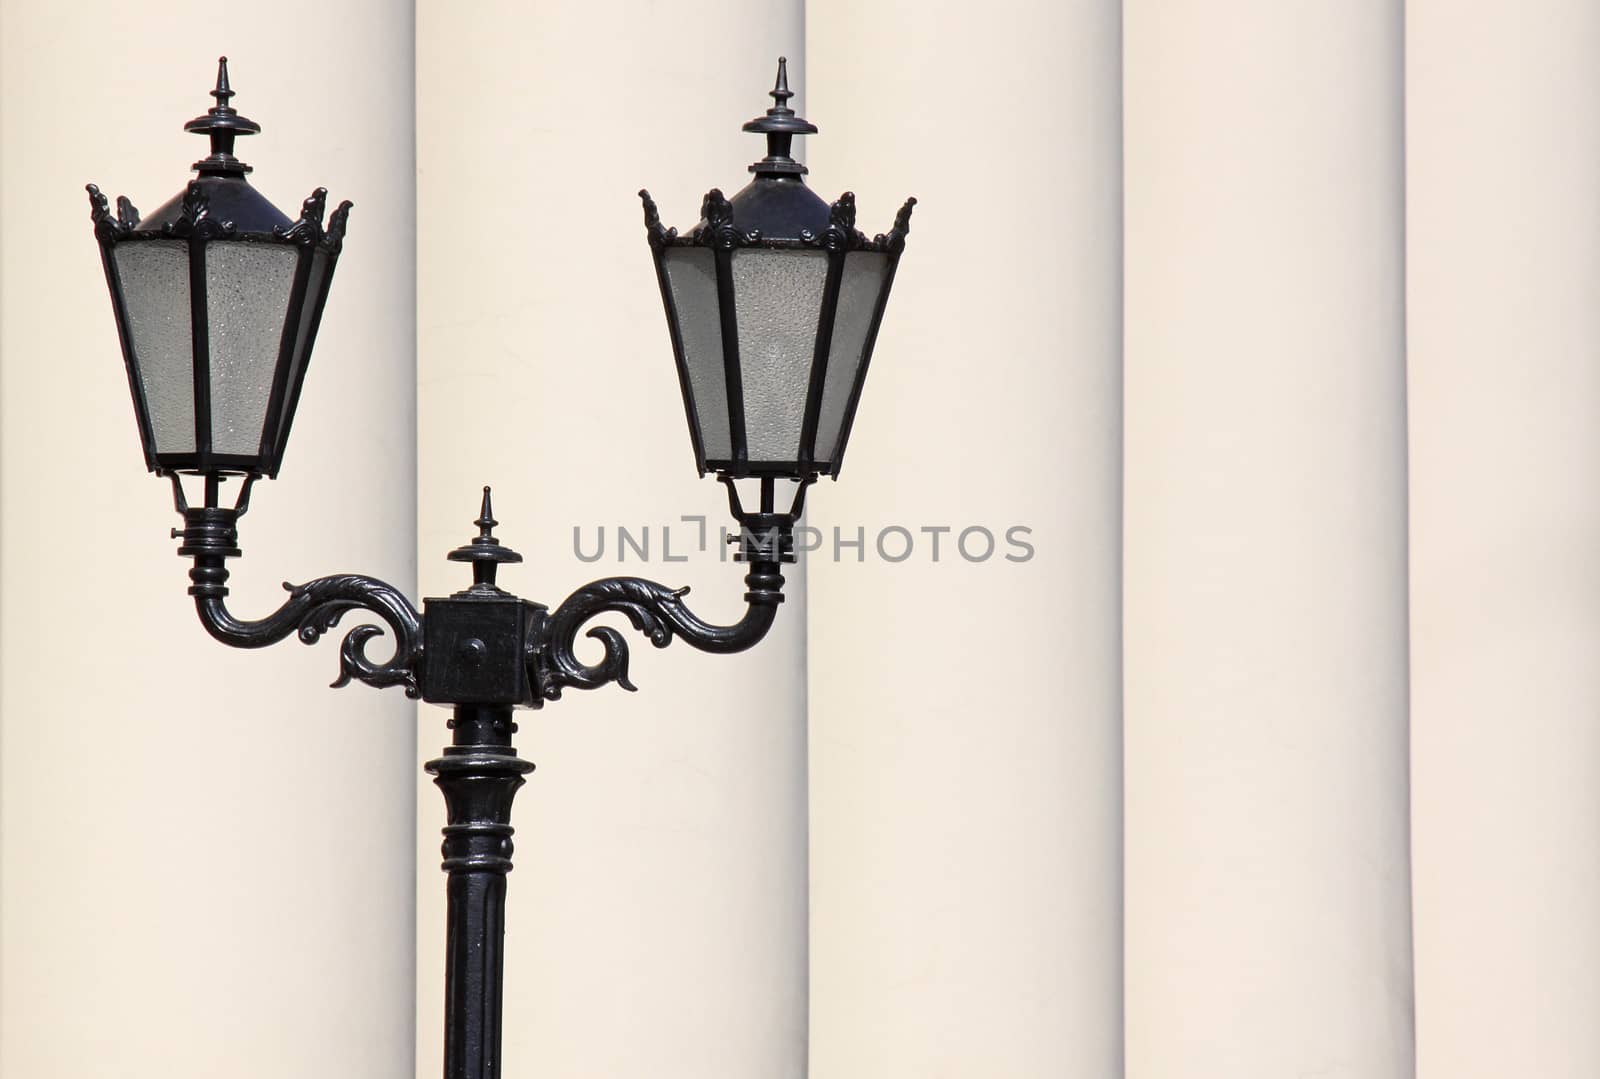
779 210
228 198
228 195
777 204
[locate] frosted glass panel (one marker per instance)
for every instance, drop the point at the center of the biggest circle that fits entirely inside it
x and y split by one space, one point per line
247 294
692 279
297 361
155 292
864 272
777 300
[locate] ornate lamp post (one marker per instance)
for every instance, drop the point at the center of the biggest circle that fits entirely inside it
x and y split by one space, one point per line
773 302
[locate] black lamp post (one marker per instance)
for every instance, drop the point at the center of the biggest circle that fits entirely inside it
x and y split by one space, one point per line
773 302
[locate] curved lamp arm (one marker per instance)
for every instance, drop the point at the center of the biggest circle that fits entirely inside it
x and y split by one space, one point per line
766 540
654 610
543 655
210 535
313 609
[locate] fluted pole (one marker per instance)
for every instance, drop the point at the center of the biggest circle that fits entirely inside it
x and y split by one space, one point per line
479 776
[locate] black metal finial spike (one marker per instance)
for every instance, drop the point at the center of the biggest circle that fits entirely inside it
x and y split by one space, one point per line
780 125
484 552
223 124
223 91
780 91
486 521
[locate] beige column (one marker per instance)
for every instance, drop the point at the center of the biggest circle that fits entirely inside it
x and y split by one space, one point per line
1268 907
656 922
206 855
1503 181
966 709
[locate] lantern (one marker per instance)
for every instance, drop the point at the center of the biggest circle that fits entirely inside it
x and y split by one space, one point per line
217 297
773 303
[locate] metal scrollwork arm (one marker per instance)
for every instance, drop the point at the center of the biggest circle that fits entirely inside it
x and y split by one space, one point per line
474 635
766 541
656 611
210 535
314 608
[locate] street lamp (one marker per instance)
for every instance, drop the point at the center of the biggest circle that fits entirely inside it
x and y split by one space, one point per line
773 303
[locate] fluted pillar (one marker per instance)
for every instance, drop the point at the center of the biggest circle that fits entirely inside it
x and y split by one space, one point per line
1266 627
966 697
206 855
656 920
1503 259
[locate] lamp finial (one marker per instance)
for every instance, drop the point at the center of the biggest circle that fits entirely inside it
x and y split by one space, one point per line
780 91
486 521
223 91
780 125
223 124
484 552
